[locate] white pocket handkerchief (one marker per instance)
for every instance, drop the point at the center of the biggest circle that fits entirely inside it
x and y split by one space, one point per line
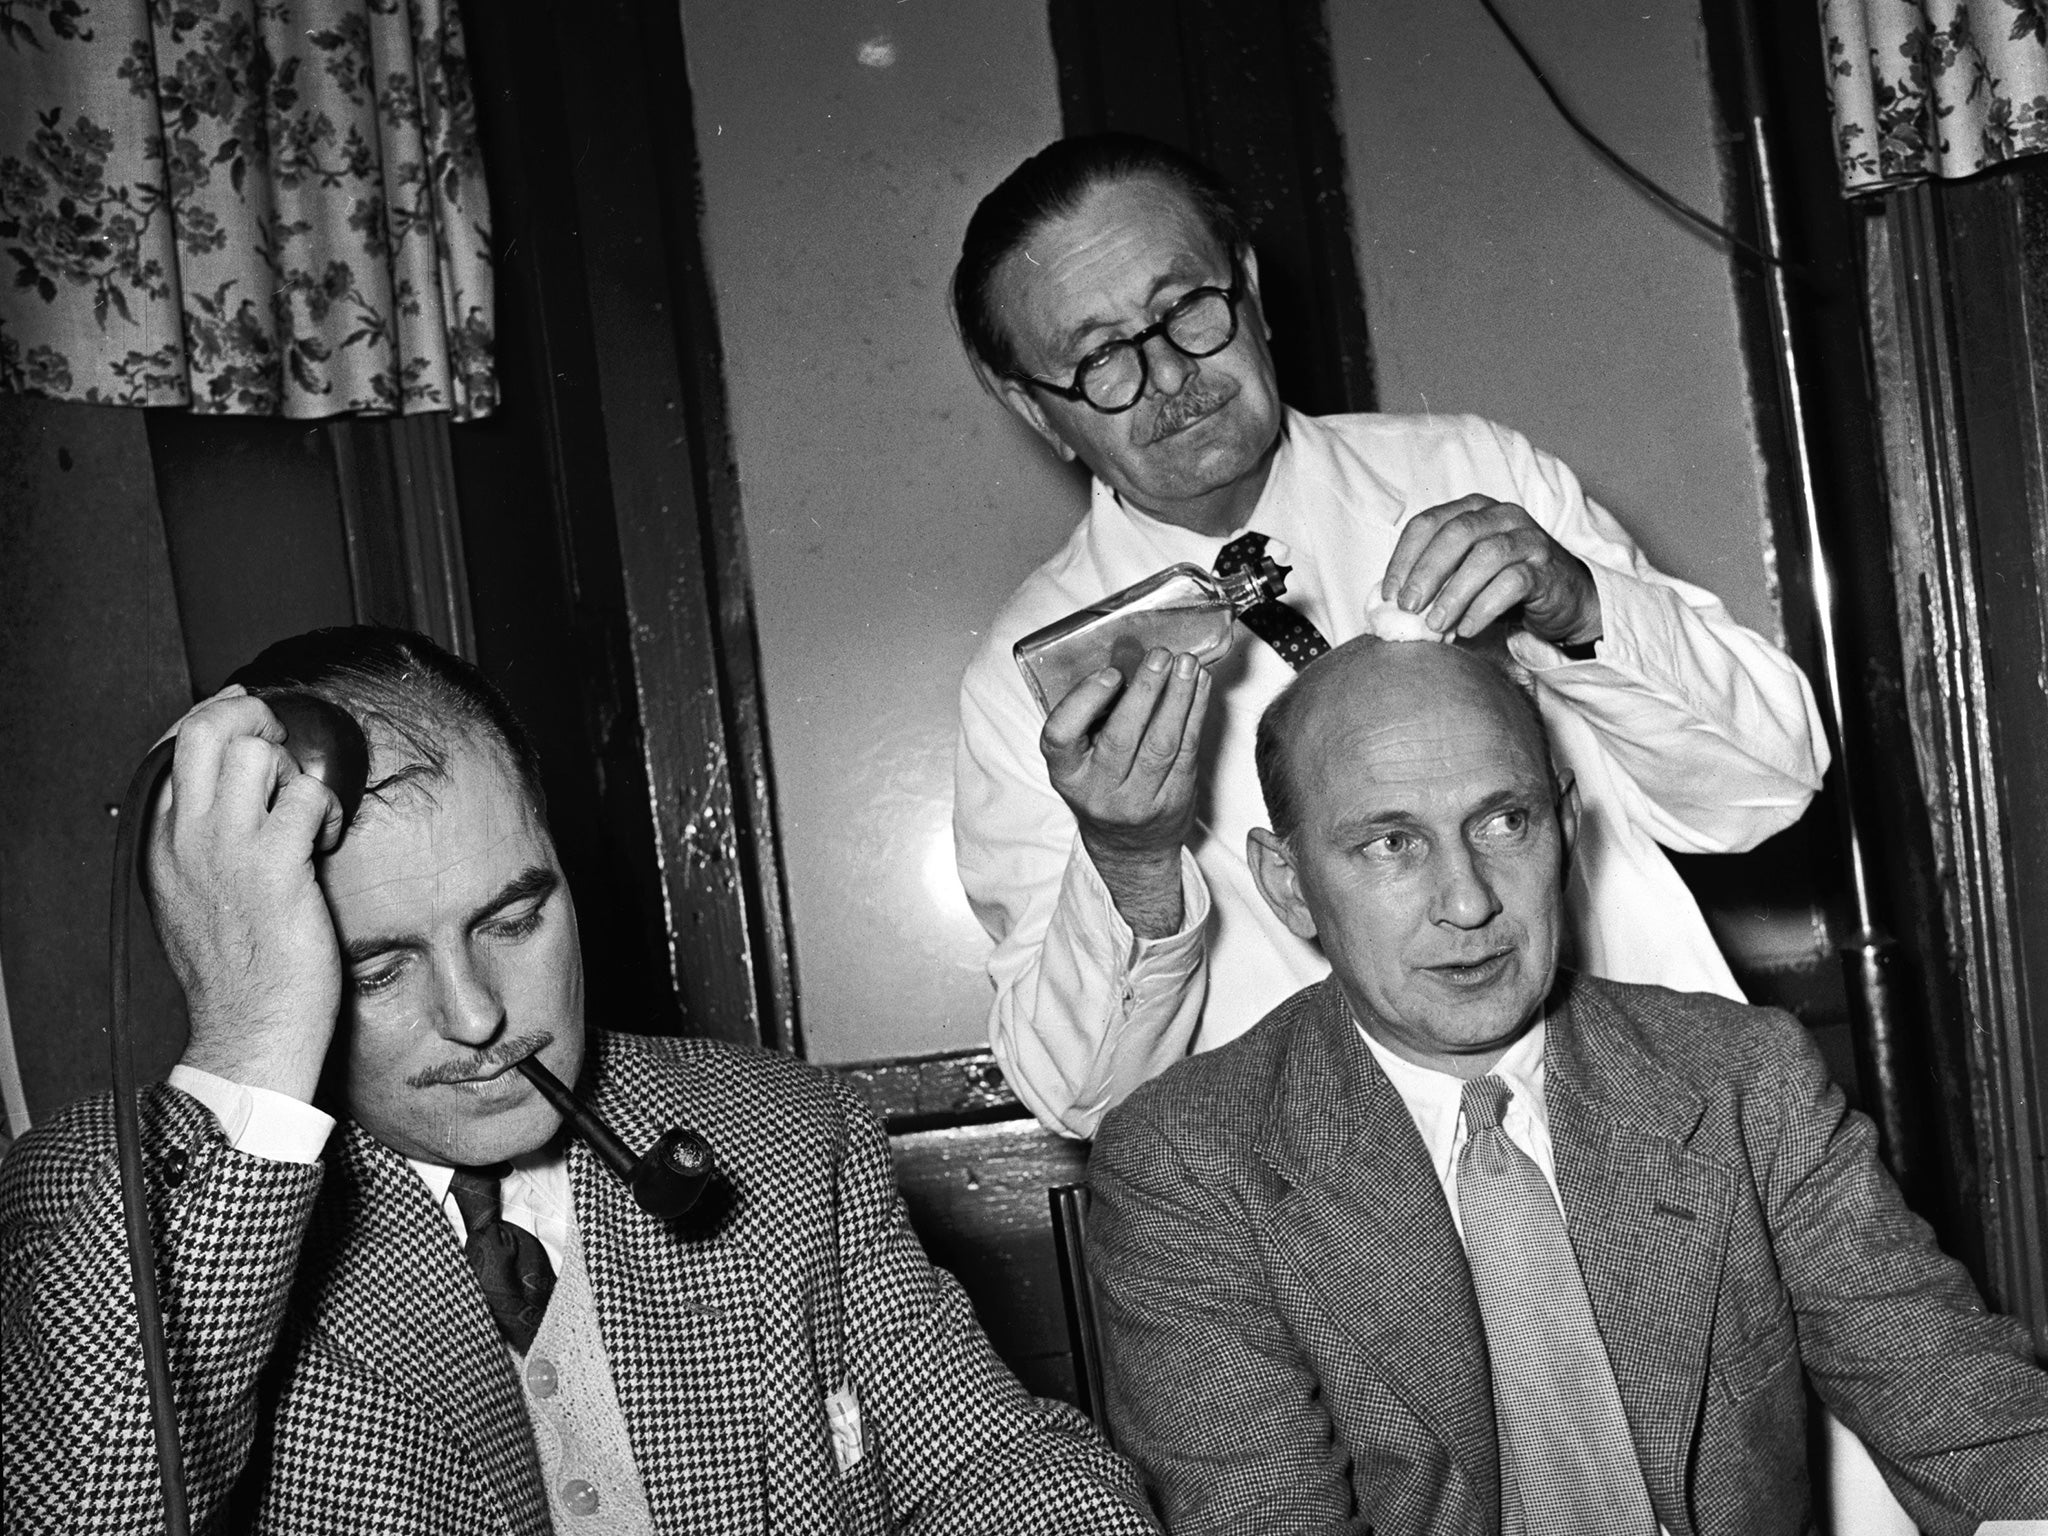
842 1413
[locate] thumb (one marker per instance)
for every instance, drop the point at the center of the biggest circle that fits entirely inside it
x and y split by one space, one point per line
307 812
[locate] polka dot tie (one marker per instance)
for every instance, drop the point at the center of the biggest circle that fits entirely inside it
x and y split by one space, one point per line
509 1262
1280 626
1568 1463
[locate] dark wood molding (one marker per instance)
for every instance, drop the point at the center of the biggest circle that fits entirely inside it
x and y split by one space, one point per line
1889 992
976 1195
618 66
402 525
602 516
722 524
918 1093
1958 294
552 624
1248 90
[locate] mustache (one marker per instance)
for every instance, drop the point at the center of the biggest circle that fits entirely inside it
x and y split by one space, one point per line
512 1048
1195 401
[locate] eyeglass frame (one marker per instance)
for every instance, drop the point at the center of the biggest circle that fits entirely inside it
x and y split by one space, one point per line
1230 296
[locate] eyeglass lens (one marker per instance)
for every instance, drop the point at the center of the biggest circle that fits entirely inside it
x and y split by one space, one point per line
1201 325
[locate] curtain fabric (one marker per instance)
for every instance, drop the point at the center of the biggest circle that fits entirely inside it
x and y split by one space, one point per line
251 207
1925 88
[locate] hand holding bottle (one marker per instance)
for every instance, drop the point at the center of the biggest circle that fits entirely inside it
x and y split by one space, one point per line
1122 756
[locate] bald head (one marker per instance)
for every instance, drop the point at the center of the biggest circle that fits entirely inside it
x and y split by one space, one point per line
1368 680
1420 836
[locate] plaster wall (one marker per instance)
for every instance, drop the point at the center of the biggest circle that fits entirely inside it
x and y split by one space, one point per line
1510 272
890 507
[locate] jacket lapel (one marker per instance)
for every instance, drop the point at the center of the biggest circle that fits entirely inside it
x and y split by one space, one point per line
1367 1227
392 1290
1649 1223
680 1312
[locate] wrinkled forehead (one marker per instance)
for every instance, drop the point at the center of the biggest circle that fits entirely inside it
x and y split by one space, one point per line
456 832
1130 232
412 768
1416 726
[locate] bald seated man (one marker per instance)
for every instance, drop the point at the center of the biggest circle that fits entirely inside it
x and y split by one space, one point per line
1457 1241
396 1296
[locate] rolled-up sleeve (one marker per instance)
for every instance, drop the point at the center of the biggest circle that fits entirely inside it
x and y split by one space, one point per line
1084 1011
1714 730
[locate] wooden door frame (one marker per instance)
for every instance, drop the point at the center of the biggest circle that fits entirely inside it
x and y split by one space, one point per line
1958 302
586 120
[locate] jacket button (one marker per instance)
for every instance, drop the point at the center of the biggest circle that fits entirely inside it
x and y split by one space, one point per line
177 1162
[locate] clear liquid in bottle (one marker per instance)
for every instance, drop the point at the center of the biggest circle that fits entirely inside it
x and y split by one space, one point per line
1183 609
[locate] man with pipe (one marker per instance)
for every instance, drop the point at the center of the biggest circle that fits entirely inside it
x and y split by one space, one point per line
395 1297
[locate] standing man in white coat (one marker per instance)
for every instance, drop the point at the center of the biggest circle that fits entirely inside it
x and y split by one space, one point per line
1107 294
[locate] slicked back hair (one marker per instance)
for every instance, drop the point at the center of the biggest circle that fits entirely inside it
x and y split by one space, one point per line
1052 184
1281 722
414 700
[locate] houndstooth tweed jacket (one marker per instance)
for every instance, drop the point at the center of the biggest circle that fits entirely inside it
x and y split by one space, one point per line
338 1371
1293 1342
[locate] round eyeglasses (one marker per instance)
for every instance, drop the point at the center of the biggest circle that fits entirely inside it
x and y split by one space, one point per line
1112 378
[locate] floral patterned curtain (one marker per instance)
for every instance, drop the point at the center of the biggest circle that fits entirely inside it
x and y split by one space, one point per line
251 207
1927 88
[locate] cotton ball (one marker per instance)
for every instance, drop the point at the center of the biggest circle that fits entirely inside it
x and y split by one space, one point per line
1387 620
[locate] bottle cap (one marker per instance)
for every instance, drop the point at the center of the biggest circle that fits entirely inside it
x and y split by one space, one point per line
1261 582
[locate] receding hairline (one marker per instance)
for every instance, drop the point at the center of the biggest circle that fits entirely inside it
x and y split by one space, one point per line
1282 727
1018 259
406 765
1052 183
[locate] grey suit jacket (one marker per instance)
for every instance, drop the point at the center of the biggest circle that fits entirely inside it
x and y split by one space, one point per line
338 1371
1293 1342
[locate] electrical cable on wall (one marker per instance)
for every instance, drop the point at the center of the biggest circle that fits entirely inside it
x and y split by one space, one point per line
1640 179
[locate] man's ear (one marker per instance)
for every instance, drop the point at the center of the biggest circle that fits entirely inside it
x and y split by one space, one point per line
1278 881
1568 823
1026 405
1248 263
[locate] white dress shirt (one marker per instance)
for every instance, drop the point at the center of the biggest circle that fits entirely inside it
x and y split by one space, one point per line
534 1195
1435 1103
1684 731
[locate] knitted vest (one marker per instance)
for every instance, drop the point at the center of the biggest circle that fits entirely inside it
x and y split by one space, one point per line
586 1459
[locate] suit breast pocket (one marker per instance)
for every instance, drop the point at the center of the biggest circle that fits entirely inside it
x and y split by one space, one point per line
1756 1346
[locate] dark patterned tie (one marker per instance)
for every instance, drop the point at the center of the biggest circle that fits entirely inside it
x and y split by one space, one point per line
1280 626
509 1262
1567 1459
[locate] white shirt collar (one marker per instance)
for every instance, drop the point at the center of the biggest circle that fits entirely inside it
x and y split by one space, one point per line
1433 1097
535 1195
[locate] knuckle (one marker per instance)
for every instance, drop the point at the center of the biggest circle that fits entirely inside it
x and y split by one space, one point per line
1502 546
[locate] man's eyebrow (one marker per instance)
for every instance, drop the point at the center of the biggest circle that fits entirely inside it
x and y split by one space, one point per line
536 880
1180 271
1349 828
356 951
1358 827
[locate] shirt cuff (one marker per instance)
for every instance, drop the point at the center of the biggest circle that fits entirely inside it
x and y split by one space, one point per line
1130 954
259 1121
1619 607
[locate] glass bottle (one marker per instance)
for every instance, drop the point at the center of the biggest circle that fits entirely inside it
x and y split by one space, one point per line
1183 608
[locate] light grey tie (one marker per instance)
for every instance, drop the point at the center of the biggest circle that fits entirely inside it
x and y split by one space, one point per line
1567 1459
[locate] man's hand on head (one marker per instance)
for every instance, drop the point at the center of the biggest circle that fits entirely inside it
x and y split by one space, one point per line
1468 562
230 877
1122 755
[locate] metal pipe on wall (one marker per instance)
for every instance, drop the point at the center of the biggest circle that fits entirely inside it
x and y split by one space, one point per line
1872 970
